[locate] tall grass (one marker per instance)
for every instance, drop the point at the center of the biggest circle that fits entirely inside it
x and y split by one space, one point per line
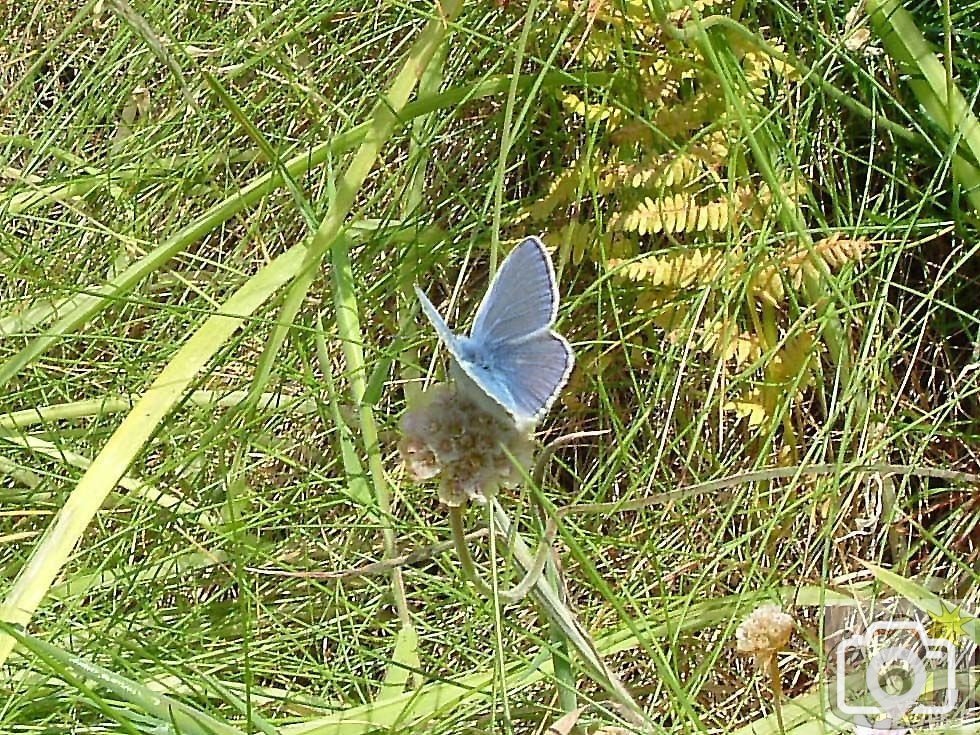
212 218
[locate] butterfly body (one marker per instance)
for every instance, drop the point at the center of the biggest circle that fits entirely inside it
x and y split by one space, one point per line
513 364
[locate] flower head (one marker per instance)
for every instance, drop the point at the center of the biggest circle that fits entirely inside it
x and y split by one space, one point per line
764 632
475 452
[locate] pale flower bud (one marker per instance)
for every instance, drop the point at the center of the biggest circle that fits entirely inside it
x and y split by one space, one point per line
474 452
764 632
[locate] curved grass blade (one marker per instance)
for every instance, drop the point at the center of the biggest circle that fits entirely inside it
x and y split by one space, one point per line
87 305
938 95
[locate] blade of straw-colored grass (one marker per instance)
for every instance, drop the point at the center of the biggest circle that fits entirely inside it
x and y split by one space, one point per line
409 265
22 322
404 660
15 200
935 91
177 566
135 488
406 711
170 712
101 407
157 45
244 706
804 714
130 437
126 442
927 601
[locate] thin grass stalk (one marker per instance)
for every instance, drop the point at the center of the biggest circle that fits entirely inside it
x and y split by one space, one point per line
98 298
245 413
507 595
506 134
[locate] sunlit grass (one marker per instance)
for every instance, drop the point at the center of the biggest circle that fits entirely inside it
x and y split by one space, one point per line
139 202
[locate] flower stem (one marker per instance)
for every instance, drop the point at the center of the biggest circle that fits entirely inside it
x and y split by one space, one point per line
777 692
470 571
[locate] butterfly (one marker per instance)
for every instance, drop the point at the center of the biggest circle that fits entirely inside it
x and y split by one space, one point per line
513 364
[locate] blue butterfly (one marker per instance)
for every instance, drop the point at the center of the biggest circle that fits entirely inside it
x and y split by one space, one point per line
512 359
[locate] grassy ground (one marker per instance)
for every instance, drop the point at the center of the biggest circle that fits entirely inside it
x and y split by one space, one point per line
210 230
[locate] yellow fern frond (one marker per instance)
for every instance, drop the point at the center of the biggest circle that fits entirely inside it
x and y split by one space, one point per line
681 119
637 132
673 213
712 150
838 250
593 112
657 173
661 81
794 359
673 271
597 49
790 269
728 344
580 235
669 316
749 406
561 191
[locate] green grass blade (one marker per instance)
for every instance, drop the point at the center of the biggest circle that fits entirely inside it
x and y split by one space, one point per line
404 660
184 718
130 437
941 99
87 306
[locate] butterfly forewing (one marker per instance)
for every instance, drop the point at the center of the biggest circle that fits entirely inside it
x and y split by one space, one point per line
513 364
521 300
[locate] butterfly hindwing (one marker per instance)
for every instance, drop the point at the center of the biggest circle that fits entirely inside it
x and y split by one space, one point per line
534 370
522 298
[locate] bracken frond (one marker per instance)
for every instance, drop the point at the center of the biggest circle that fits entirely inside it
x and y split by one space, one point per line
674 213
728 344
750 406
593 112
598 49
561 191
791 269
794 359
675 270
660 172
683 118
580 235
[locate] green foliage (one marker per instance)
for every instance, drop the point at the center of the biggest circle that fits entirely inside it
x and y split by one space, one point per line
204 522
